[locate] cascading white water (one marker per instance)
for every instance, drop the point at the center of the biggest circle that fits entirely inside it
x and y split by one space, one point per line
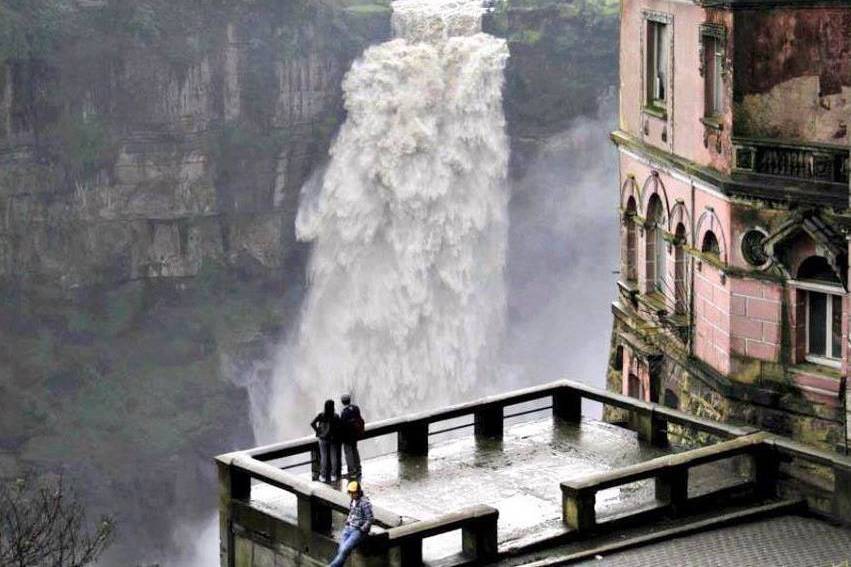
406 296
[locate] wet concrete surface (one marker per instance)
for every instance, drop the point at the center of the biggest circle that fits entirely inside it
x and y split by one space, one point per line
520 476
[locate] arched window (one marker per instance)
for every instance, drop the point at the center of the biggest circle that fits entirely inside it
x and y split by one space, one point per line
710 245
680 289
823 291
634 389
655 245
629 220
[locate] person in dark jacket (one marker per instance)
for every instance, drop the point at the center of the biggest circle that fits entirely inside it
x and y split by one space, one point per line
327 428
351 429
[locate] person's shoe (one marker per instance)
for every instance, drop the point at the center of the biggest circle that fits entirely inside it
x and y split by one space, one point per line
335 479
322 478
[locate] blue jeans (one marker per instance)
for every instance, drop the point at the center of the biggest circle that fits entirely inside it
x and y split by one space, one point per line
348 542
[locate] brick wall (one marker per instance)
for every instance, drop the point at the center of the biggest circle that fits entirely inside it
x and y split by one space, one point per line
712 318
755 319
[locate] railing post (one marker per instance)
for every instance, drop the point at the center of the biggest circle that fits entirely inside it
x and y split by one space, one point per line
312 515
479 539
650 427
411 553
766 467
578 508
234 484
842 493
413 439
488 423
567 405
672 488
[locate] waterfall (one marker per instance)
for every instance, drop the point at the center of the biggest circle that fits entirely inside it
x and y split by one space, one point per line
406 297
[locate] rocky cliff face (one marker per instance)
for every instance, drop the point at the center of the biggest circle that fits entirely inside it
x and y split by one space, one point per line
143 139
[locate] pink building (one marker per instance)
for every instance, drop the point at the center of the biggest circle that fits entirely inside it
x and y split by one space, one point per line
734 195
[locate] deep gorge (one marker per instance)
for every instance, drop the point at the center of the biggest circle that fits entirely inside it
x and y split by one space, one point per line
149 182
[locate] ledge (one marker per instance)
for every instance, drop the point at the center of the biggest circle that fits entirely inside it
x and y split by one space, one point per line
714 122
785 190
656 112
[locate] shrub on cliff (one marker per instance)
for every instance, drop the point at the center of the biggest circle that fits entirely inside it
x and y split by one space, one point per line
42 523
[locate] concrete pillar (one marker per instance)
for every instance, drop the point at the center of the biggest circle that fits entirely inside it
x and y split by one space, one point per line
313 516
488 423
578 508
567 405
842 493
766 467
410 553
651 429
412 439
233 485
672 488
479 539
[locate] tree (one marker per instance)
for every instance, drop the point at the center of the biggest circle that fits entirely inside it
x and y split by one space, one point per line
43 524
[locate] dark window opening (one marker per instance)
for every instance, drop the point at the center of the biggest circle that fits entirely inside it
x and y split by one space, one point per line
634 388
657 63
713 53
710 244
671 399
680 290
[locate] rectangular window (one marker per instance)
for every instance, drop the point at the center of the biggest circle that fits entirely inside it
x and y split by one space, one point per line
713 53
824 327
657 63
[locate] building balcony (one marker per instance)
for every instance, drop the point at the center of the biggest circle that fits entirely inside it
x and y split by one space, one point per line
772 170
824 163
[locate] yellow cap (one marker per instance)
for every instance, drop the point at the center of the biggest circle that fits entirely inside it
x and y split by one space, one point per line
353 486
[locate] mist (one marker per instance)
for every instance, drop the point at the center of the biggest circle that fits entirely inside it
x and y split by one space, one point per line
563 251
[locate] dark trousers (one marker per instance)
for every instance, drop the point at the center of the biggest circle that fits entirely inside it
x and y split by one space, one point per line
352 460
329 459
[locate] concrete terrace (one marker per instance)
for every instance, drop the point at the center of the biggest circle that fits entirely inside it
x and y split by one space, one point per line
519 476
527 484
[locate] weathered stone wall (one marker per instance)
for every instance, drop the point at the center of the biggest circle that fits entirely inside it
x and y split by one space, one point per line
775 404
793 74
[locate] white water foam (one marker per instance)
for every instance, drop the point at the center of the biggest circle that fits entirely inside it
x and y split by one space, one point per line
406 299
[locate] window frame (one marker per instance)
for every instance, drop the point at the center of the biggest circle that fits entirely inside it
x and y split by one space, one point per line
665 21
830 291
718 36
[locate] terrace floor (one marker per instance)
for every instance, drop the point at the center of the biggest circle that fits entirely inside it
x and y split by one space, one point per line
520 476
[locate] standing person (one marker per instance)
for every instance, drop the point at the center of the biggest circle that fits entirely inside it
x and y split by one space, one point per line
327 428
358 523
351 431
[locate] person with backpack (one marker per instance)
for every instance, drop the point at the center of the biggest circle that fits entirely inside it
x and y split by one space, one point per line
327 428
351 431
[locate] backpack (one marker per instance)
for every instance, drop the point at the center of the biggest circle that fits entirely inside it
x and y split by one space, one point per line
355 423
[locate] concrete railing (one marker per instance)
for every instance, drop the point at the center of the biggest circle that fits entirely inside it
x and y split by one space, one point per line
671 474
488 413
478 525
835 502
